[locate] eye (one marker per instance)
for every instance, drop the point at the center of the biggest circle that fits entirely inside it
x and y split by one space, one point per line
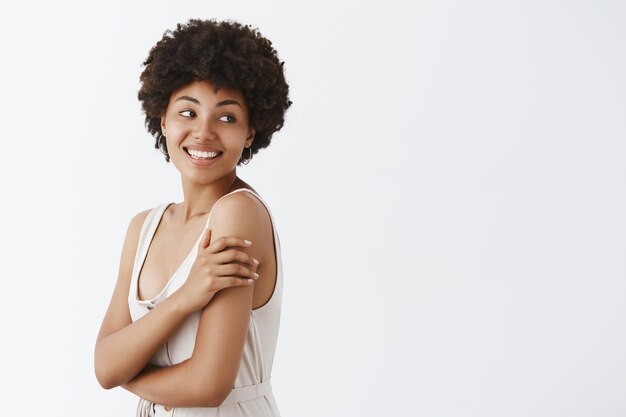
229 118
187 113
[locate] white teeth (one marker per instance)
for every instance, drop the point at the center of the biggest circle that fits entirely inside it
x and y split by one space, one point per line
201 154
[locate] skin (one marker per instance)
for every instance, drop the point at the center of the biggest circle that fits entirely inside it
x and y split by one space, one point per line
198 116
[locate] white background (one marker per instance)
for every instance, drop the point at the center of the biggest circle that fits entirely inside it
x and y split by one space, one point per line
449 189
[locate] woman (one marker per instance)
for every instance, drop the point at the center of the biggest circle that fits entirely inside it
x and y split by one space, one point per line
192 332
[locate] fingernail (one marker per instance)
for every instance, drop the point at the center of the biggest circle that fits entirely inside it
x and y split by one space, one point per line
256 275
247 242
256 261
250 281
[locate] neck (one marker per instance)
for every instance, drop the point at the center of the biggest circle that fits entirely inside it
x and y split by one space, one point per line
199 198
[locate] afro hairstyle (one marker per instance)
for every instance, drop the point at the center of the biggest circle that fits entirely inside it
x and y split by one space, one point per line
227 54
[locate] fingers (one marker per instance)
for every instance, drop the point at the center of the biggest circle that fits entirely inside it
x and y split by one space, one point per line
237 270
227 282
235 255
206 238
226 241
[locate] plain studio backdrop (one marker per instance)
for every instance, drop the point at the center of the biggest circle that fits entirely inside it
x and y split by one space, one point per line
449 190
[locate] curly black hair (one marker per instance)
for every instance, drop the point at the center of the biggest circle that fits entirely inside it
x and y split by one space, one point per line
227 54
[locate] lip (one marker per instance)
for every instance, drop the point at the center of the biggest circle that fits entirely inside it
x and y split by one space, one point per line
203 162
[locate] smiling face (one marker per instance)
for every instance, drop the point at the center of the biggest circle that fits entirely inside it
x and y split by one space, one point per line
206 131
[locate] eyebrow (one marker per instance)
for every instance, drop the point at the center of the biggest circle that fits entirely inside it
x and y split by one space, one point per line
227 102
193 100
220 104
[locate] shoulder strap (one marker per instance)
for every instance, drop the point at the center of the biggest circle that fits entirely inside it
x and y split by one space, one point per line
145 237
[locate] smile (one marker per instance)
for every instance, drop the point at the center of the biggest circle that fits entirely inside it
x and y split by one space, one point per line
203 158
202 154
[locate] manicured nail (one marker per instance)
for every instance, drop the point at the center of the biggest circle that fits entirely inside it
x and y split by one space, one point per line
256 275
255 260
250 281
247 242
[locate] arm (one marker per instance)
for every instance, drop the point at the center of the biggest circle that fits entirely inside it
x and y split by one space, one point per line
207 378
123 348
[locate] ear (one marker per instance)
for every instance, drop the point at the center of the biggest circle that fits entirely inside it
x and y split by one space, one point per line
163 126
250 137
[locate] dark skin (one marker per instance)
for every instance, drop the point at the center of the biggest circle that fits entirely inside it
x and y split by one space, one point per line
202 119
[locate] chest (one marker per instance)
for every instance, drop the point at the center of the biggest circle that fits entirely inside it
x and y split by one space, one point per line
173 250
169 250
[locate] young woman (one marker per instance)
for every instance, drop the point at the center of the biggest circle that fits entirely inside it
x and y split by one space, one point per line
192 324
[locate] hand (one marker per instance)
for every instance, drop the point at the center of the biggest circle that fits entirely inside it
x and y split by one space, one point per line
214 269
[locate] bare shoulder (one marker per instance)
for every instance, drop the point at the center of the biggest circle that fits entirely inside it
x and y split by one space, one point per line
245 216
242 211
136 223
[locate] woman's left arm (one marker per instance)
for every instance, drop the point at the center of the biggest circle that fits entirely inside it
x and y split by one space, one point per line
206 379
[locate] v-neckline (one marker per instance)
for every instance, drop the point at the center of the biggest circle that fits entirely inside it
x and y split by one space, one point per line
194 247
145 255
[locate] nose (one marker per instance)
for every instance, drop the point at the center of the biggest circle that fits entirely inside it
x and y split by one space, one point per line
203 130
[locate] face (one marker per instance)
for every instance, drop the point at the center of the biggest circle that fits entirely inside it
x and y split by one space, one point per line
206 131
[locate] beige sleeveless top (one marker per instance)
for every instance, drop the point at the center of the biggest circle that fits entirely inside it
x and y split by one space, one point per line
252 394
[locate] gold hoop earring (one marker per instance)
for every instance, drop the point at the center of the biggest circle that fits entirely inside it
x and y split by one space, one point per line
161 144
246 161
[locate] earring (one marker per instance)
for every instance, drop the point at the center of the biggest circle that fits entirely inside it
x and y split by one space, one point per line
160 144
246 161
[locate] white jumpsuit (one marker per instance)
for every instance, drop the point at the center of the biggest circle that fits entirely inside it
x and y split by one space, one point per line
252 393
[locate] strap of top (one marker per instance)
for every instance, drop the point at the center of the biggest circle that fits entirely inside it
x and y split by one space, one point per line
145 237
